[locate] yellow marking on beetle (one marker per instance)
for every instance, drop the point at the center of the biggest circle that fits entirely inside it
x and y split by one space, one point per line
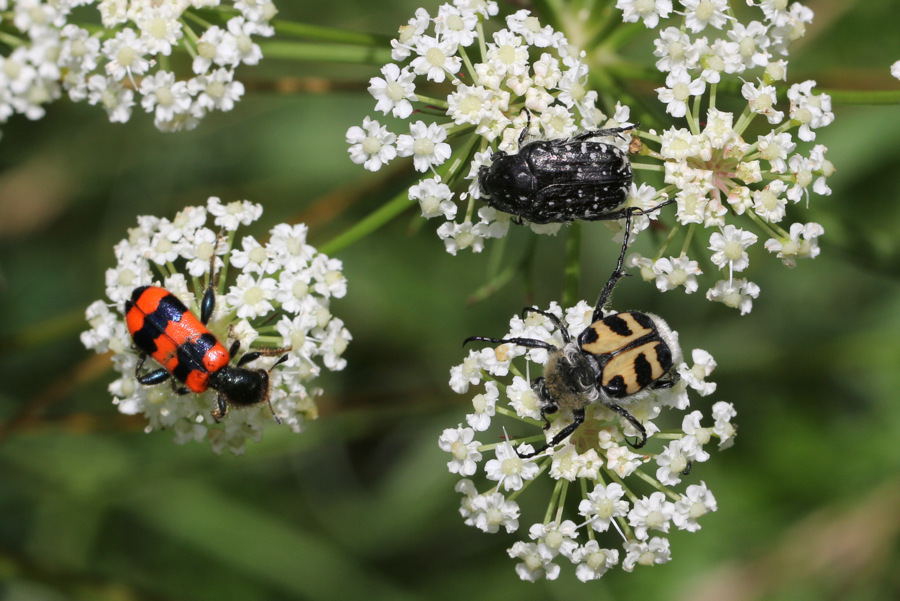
608 341
625 364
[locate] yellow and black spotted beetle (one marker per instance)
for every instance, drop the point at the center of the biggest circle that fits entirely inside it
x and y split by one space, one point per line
617 359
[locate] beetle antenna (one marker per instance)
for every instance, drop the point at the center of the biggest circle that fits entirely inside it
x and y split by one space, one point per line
526 342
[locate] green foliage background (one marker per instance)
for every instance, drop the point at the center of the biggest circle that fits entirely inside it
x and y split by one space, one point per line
361 505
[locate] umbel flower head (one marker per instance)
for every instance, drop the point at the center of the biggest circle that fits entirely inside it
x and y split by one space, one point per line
717 172
493 85
279 300
740 174
611 504
127 61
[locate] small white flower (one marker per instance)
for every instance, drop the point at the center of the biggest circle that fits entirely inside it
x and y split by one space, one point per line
653 512
125 55
602 505
677 271
646 553
394 92
700 13
674 49
435 198
436 58
679 88
425 143
164 96
252 297
215 91
769 203
455 25
696 502
508 469
533 566
461 444
803 241
484 406
730 248
704 364
593 562
230 216
371 145
672 462
735 293
811 111
490 511
647 11
762 100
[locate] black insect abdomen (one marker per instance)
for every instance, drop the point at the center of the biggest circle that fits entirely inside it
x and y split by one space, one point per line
580 180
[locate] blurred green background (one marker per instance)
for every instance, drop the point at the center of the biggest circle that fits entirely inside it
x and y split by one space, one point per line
361 505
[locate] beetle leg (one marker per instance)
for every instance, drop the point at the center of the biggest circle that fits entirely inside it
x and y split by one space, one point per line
150 378
526 342
208 304
617 274
642 431
526 130
221 408
577 420
597 133
269 352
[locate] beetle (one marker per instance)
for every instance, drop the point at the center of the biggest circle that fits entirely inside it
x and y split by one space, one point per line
162 327
558 181
619 358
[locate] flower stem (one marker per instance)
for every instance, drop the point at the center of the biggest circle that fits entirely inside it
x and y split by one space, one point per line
330 34
572 273
864 96
369 224
335 53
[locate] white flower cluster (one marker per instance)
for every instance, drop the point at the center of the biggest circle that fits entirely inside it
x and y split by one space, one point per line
712 171
595 462
127 62
494 84
280 299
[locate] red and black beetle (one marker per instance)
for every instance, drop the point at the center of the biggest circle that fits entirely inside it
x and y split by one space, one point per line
163 328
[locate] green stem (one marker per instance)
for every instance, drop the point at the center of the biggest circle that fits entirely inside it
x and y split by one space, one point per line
197 19
11 40
369 224
335 53
572 273
330 34
616 34
554 498
432 101
864 96
562 501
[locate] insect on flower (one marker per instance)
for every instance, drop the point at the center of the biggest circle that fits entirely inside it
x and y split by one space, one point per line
163 328
618 359
557 181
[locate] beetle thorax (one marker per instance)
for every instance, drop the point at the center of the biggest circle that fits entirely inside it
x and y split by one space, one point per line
571 378
241 386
